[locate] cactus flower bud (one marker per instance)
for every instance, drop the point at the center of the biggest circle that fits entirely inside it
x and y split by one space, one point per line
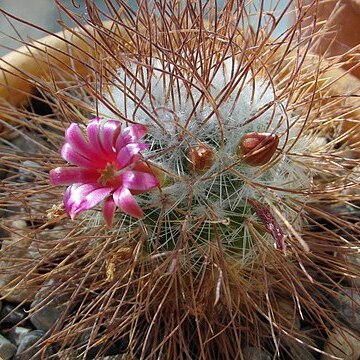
258 148
200 158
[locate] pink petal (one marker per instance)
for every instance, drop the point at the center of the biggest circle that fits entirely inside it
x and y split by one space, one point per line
76 139
126 202
108 133
93 131
137 180
67 195
75 194
126 155
109 210
70 175
73 157
84 197
131 134
93 198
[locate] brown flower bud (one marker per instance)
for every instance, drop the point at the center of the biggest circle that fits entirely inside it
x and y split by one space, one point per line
200 158
258 148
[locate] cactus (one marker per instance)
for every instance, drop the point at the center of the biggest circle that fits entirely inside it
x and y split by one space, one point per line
212 237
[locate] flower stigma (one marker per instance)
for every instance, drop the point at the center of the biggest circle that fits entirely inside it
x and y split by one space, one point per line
109 175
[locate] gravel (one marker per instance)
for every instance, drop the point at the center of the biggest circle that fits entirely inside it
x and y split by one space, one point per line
7 349
11 315
26 348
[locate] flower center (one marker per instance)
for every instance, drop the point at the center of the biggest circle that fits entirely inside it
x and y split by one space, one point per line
110 172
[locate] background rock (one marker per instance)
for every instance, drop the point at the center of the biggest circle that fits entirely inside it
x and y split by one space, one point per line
46 312
7 349
343 344
26 349
16 334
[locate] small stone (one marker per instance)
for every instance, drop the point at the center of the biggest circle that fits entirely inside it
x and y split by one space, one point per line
115 349
29 142
17 294
23 242
27 171
252 353
24 141
16 334
11 315
343 344
7 349
46 317
4 172
301 352
45 237
15 246
7 132
27 341
289 314
349 308
45 314
355 260
313 336
93 353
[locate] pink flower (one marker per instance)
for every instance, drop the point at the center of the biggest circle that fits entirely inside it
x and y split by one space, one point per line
108 167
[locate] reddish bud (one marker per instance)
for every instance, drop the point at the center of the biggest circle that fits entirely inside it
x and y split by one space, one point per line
200 158
258 148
